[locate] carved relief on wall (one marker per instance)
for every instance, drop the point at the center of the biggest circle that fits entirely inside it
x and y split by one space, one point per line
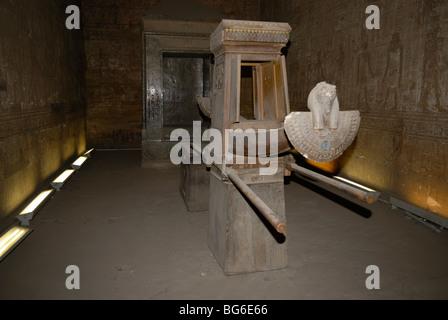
430 94
365 95
392 75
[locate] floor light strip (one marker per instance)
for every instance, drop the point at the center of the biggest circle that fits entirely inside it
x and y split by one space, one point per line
88 154
59 181
28 213
79 162
10 239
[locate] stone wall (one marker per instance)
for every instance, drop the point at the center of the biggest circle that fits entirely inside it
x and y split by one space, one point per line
113 46
396 76
42 111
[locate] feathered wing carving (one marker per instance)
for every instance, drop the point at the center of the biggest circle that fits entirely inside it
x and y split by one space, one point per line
321 145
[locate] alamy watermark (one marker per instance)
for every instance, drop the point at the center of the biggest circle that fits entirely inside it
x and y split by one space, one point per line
73 21
373 281
373 21
233 151
73 280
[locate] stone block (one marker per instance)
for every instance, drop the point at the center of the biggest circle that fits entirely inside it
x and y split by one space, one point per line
240 238
195 186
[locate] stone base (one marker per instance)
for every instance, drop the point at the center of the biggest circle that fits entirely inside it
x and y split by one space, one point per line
195 186
240 238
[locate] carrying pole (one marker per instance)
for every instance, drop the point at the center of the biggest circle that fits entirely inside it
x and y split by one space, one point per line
352 191
264 209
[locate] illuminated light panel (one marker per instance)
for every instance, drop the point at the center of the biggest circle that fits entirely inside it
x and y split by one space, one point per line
78 163
355 184
88 154
10 239
64 176
28 213
59 181
37 201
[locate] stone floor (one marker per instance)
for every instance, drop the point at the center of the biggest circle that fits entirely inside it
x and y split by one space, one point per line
128 231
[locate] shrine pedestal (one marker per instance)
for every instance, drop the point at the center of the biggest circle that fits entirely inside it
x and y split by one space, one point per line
240 238
195 186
